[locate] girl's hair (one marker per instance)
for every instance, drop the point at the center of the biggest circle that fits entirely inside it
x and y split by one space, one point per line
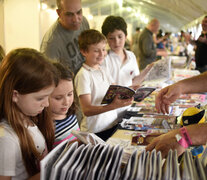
112 23
90 37
2 53
65 73
27 71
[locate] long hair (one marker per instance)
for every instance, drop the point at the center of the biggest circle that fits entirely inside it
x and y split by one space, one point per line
2 53
27 71
65 73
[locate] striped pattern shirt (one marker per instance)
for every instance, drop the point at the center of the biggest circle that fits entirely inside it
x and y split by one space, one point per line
63 129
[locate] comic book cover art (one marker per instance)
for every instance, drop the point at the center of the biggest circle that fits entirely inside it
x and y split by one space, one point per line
126 93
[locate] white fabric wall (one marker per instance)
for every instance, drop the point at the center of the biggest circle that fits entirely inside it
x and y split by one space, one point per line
2 41
20 24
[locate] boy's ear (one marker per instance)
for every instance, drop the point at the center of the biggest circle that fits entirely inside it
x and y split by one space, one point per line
15 96
83 52
58 12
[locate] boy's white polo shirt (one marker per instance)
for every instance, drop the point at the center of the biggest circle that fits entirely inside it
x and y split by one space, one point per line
95 82
122 74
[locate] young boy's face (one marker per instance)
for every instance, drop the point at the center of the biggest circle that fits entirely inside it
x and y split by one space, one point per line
116 40
95 54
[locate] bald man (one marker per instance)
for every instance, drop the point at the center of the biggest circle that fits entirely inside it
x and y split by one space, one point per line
147 51
61 40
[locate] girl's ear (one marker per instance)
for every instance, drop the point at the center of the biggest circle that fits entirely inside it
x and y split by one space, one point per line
15 96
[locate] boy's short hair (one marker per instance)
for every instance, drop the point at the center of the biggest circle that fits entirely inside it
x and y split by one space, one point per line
112 23
90 37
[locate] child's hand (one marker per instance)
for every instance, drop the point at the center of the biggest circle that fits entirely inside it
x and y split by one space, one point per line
135 87
117 102
149 66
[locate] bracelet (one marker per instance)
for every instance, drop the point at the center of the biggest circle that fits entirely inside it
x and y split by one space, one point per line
185 135
183 139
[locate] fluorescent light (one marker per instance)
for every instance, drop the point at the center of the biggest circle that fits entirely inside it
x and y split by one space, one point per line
90 17
120 2
43 6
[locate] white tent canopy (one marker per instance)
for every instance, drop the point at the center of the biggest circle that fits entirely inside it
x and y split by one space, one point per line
172 14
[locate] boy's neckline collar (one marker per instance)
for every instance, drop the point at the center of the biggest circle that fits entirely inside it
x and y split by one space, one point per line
113 53
89 68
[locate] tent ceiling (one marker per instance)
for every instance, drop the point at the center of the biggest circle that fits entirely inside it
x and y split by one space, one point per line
172 14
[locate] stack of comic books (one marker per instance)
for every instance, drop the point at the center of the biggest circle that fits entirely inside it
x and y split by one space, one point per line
89 161
104 162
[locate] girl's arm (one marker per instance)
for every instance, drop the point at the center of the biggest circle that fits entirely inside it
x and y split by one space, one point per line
90 110
5 177
35 177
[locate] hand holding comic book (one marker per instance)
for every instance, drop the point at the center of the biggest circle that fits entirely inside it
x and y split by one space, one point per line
126 93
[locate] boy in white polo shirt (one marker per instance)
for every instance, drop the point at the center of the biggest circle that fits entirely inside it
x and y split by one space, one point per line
91 83
121 63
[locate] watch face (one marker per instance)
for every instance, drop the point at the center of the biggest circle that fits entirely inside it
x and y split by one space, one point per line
143 139
140 140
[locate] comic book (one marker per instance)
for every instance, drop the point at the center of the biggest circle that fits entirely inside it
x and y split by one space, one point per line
126 93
